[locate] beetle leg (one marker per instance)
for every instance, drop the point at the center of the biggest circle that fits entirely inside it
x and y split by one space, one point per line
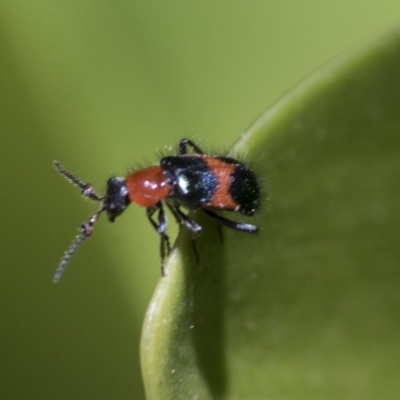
185 143
193 226
238 226
160 226
183 219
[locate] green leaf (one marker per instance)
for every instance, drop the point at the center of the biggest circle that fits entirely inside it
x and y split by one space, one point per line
310 308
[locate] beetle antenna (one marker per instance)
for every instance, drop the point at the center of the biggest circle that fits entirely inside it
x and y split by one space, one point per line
86 231
87 190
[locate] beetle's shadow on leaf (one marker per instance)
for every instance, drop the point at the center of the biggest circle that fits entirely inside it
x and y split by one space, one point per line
206 296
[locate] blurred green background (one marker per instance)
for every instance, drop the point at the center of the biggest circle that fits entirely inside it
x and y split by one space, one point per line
101 86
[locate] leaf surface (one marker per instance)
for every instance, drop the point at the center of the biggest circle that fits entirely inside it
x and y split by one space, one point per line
310 308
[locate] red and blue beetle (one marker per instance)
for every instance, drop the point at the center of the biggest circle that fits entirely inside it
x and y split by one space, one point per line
194 181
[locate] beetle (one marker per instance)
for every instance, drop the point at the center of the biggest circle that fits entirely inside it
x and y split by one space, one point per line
192 180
